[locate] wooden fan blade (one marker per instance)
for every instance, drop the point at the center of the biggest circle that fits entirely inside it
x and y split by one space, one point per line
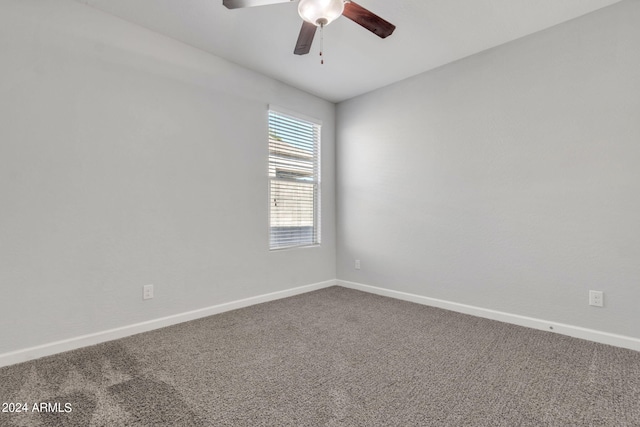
237 4
303 45
368 20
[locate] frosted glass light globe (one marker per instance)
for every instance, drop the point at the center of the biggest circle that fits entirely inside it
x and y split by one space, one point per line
320 12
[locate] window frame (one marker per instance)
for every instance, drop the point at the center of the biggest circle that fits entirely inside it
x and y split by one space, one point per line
317 179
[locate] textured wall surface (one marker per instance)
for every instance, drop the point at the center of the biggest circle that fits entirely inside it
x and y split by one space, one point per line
127 158
508 180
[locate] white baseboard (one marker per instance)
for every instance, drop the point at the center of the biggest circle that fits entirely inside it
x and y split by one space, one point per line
49 349
530 322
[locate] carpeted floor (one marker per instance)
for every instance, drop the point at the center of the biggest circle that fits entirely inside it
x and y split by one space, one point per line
334 357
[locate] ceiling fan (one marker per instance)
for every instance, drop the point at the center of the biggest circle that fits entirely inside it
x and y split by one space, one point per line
318 13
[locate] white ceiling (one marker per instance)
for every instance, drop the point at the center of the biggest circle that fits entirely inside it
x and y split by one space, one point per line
429 33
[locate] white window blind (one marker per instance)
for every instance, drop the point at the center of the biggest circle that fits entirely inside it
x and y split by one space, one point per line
294 181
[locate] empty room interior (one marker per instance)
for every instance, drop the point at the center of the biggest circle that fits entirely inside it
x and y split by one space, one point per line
320 213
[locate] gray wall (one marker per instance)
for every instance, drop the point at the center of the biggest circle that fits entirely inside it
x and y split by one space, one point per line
127 158
509 180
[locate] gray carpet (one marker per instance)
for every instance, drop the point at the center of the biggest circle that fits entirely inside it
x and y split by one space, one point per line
334 357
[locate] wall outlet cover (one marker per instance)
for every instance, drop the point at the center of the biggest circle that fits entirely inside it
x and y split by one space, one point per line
596 298
147 292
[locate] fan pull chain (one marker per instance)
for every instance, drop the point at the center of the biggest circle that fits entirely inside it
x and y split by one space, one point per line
321 43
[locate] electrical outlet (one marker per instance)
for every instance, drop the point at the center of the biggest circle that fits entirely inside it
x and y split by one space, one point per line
357 264
596 298
147 292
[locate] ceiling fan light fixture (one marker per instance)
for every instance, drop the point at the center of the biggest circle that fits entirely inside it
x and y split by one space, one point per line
320 12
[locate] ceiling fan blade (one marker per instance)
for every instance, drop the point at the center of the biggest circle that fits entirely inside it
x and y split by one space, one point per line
236 4
368 20
303 45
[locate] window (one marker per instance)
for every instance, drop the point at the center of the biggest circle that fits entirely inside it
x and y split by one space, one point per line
294 181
